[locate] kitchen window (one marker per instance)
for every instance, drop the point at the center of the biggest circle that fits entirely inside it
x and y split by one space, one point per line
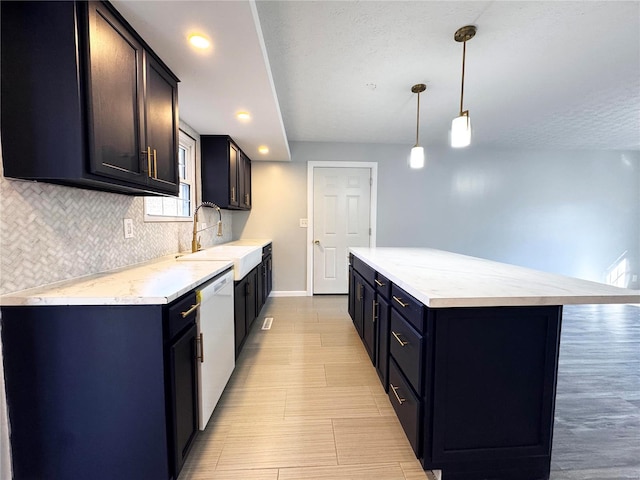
177 209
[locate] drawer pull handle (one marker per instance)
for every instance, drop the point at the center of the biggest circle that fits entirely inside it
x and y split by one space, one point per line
191 310
149 171
399 300
155 164
395 392
379 283
402 342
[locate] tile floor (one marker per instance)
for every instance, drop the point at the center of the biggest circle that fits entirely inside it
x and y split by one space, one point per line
304 402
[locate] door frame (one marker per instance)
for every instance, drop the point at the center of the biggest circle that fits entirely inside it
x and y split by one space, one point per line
311 166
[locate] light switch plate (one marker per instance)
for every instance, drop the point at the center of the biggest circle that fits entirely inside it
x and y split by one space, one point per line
128 228
304 223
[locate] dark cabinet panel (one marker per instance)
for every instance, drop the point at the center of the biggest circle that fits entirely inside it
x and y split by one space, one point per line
120 389
211 188
358 302
251 302
184 399
244 182
406 405
76 80
406 347
411 309
382 353
513 417
352 293
369 320
115 97
161 100
240 313
246 306
226 173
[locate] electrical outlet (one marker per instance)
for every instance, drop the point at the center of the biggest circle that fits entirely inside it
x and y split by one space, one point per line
128 228
304 223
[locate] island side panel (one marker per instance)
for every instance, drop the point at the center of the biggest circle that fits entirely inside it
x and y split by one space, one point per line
85 391
495 372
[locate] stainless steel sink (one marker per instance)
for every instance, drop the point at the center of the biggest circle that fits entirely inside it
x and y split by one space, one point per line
244 258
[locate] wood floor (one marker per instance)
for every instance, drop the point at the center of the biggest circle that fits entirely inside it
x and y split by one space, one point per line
305 402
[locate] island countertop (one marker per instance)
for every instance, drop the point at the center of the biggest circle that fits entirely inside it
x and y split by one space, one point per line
157 282
441 279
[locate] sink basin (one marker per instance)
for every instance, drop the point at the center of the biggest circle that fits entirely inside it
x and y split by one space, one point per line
244 258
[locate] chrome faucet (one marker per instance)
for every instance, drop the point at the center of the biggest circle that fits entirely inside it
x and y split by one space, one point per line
195 241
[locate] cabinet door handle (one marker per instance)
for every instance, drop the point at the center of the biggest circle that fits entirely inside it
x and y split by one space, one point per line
360 291
375 317
402 342
149 172
379 283
395 392
233 194
399 300
201 342
191 310
155 164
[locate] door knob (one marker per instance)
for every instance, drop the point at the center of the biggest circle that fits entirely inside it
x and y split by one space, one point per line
317 242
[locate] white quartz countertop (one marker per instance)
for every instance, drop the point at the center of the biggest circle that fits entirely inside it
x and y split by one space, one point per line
442 279
156 282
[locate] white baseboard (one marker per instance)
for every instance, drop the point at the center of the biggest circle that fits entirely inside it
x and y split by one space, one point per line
288 293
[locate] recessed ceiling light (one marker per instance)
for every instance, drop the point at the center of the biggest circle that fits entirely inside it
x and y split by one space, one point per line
263 149
243 116
199 41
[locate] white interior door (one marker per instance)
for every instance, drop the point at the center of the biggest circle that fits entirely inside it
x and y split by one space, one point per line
341 215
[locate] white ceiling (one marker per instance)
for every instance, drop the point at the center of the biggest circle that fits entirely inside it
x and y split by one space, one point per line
538 75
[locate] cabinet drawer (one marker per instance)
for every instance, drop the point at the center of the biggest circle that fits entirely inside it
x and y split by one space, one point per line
368 273
383 286
406 345
411 308
406 405
178 317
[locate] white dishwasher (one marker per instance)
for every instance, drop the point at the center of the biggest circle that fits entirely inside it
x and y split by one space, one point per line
216 344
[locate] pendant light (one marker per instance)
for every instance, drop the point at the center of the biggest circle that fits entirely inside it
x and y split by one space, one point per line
461 125
416 160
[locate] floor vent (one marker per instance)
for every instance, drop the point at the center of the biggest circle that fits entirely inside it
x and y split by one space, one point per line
266 325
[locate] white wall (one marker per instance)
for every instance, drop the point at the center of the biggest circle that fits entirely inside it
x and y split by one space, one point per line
279 193
566 212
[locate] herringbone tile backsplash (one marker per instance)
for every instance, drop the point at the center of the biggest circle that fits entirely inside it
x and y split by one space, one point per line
50 233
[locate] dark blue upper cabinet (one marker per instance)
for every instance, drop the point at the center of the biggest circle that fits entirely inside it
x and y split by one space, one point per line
85 102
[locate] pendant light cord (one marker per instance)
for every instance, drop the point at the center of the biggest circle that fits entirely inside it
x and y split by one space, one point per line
418 119
464 52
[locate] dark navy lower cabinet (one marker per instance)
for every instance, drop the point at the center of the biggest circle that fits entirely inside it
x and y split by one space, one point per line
91 393
474 388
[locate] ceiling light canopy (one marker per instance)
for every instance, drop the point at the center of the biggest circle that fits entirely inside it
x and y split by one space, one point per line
461 125
416 160
199 41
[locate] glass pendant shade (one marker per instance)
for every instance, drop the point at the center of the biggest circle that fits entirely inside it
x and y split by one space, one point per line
416 160
461 131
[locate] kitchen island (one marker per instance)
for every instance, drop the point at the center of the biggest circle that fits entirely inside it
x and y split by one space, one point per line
467 350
